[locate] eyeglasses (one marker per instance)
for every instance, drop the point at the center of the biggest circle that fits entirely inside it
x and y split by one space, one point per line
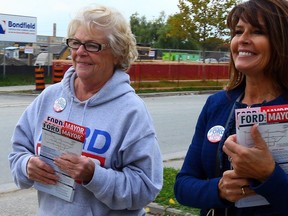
89 46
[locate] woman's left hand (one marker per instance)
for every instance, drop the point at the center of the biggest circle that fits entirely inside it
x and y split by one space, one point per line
256 162
233 188
80 168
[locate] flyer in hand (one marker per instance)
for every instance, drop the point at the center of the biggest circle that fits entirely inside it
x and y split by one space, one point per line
273 126
60 137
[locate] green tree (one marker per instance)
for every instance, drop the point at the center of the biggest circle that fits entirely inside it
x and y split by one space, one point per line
159 33
207 18
181 32
200 24
156 27
167 40
140 27
147 32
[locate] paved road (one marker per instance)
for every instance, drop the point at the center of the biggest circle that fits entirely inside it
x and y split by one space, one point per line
175 118
11 107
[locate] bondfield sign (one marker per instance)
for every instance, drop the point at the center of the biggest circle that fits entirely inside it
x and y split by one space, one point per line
18 28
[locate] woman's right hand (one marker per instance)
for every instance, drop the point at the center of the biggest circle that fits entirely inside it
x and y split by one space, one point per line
232 187
40 171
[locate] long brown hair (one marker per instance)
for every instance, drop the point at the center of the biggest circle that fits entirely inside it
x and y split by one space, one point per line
275 16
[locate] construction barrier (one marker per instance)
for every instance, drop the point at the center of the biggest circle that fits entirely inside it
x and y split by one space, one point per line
160 70
57 73
175 71
59 68
39 79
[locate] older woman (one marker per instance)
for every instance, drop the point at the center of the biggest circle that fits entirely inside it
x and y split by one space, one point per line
259 77
120 170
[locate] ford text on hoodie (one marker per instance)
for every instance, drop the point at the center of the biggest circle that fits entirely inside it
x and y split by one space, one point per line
120 138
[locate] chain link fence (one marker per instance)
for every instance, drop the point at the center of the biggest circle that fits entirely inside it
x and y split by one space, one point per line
148 53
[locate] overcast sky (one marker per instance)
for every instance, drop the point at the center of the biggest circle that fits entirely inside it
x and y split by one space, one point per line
60 12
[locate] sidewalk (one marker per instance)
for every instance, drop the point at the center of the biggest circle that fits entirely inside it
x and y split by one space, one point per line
17 88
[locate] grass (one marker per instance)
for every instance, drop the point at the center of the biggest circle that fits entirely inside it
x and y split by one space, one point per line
140 87
164 86
166 196
15 80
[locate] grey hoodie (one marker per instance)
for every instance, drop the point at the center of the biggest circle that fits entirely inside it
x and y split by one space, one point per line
120 138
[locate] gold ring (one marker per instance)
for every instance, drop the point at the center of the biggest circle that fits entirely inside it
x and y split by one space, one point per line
243 191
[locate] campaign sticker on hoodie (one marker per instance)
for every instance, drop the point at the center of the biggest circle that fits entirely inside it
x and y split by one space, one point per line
59 104
215 133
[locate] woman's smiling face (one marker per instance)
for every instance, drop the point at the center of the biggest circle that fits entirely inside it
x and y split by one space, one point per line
93 65
250 48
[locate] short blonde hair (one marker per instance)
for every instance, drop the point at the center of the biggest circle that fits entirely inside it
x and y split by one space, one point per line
119 35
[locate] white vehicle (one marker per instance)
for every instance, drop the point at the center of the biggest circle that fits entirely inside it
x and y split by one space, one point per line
211 60
44 59
208 60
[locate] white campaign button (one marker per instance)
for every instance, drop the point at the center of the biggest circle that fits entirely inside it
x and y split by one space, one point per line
215 133
59 104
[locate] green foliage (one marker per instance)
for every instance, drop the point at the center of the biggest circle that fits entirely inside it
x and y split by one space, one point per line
166 195
166 86
10 80
20 79
197 23
207 17
147 32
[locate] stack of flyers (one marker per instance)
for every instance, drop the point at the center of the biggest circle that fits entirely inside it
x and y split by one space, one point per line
60 137
273 126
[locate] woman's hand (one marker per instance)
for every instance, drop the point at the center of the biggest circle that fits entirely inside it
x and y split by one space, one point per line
232 187
253 163
80 168
40 171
